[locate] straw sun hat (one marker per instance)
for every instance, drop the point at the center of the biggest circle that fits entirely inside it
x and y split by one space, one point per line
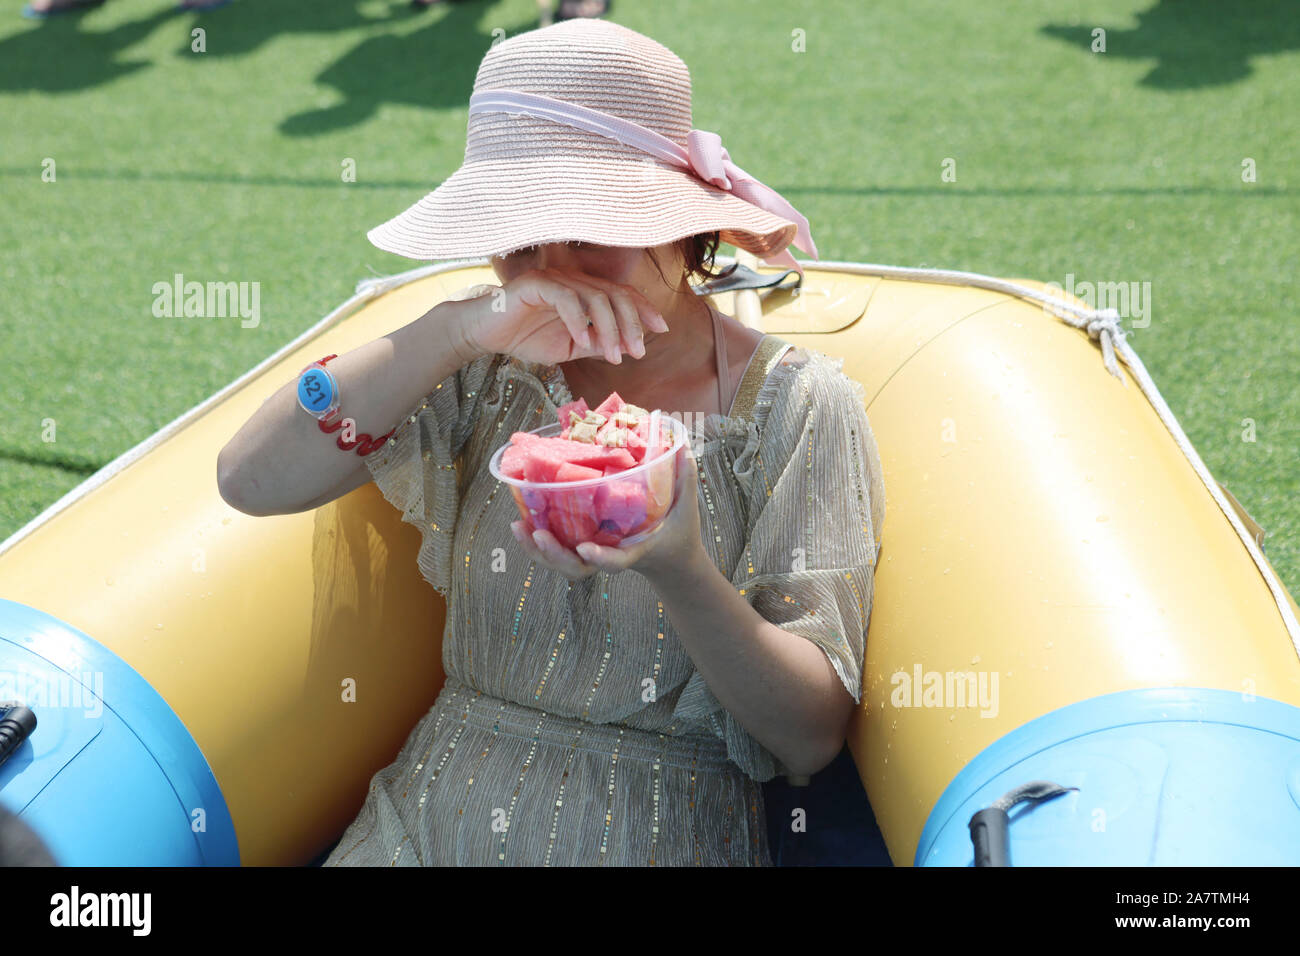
582 132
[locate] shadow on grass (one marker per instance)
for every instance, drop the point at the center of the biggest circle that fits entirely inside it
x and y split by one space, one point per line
58 56
1196 43
432 67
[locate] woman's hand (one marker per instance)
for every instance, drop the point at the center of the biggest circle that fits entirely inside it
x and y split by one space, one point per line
675 543
542 316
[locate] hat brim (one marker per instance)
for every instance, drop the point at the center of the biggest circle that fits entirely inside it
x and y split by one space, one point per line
492 208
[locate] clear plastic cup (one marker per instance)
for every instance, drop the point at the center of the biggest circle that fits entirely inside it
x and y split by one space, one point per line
608 510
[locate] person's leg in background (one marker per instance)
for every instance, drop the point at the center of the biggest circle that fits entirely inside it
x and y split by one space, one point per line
546 12
40 9
573 9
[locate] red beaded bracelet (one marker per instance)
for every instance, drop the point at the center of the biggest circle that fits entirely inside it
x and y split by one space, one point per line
364 444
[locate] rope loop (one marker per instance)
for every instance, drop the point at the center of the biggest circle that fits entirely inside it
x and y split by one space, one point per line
1103 326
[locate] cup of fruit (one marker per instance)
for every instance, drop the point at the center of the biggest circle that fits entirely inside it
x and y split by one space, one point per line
604 475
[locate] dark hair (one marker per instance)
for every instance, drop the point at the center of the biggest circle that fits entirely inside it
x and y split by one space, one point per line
697 253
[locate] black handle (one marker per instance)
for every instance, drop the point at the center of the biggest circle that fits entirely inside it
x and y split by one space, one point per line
990 833
16 725
990 828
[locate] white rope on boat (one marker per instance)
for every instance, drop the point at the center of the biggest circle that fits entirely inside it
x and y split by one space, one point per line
1103 325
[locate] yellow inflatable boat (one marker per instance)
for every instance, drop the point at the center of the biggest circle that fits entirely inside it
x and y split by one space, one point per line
1067 604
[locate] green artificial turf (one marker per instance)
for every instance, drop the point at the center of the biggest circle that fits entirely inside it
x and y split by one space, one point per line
226 165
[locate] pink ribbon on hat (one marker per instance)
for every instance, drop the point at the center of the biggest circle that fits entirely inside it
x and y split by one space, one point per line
704 156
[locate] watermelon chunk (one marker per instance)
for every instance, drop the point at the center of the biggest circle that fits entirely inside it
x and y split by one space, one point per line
571 472
613 403
543 458
580 406
572 518
640 444
636 444
580 452
512 461
539 466
621 504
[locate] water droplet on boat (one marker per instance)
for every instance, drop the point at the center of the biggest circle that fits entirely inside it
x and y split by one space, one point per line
975 659
225 520
1048 645
108 581
952 716
1101 518
157 627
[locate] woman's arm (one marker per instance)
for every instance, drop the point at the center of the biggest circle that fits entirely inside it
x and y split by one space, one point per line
280 462
778 685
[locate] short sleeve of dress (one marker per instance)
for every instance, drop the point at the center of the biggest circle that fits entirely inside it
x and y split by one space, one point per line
817 508
416 469
809 564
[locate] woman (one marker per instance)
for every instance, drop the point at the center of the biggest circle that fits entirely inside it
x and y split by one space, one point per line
609 705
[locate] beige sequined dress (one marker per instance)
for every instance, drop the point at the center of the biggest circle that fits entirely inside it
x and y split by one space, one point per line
573 728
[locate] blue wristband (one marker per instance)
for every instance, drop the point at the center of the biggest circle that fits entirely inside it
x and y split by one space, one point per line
318 391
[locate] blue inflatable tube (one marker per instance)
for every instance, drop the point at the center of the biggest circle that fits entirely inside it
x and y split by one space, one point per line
1165 777
110 776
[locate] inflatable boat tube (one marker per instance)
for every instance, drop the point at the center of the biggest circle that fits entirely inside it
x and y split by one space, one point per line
1064 593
